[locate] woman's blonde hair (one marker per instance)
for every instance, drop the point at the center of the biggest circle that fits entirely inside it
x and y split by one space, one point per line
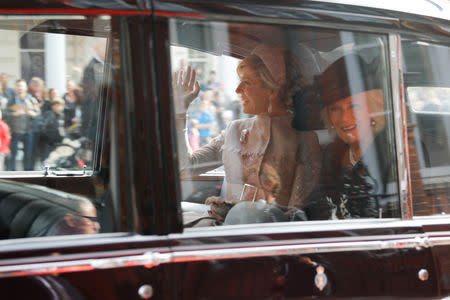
326 120
270 177
294 79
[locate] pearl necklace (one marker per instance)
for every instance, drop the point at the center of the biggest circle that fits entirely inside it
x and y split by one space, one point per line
351 156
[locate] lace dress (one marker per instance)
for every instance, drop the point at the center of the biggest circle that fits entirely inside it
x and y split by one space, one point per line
245 145
367 189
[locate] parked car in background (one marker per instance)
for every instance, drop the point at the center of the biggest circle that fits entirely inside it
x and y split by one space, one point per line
131 214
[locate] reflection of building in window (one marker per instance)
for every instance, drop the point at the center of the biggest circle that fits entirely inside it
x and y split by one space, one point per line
26 55
428 94
429 99
431 115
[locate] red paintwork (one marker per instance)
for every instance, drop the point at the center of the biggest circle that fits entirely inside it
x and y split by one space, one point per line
72 11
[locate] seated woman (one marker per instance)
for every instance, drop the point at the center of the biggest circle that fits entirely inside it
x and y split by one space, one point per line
269 78
359 165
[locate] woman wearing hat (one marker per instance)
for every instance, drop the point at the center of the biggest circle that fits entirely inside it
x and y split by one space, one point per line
358 165
269 78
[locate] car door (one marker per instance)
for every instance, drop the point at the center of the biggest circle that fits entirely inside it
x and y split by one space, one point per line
427 128
69 222
391 255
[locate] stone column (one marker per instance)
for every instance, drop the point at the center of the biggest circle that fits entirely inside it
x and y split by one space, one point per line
55 62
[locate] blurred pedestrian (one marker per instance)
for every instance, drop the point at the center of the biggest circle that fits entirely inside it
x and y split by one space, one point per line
92 86
7 91
218 103
5 140
194 135
52 94
3 100
205 123
73 107
53 130
37 90
22 112
212 82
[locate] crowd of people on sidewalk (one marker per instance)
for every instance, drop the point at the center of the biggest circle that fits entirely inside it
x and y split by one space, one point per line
210 114
35 120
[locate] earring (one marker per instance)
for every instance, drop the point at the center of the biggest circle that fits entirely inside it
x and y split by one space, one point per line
373 122
269 108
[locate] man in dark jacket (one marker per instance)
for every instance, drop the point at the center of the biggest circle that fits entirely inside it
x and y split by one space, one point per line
21 113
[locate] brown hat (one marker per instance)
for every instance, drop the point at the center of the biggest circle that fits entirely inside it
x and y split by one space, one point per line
347 76
274 59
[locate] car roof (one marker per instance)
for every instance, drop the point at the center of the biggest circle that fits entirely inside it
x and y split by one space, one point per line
431 8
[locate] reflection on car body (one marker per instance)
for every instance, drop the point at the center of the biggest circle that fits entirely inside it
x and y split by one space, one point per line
226 150
33 211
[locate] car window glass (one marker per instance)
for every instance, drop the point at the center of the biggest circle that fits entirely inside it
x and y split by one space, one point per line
52 93
52 96
427 93
281 124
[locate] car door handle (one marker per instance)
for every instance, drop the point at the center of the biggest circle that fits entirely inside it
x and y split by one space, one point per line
147 259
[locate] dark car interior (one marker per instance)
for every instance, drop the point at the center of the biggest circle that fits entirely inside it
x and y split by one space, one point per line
33 211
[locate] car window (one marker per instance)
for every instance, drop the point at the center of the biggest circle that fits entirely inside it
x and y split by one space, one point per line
427 92
52 92
282 123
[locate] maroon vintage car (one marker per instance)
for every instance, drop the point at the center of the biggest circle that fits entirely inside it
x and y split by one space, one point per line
124 177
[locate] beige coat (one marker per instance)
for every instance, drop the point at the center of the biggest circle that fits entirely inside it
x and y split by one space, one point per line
246 144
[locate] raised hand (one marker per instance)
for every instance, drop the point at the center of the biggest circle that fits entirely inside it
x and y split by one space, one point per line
185 89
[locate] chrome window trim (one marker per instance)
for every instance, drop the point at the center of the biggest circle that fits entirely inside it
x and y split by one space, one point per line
261 230
150 258
312 246
73 241
46 173
400 126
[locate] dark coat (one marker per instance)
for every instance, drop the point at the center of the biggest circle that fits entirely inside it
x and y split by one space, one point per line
368 190
52 130
92 89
